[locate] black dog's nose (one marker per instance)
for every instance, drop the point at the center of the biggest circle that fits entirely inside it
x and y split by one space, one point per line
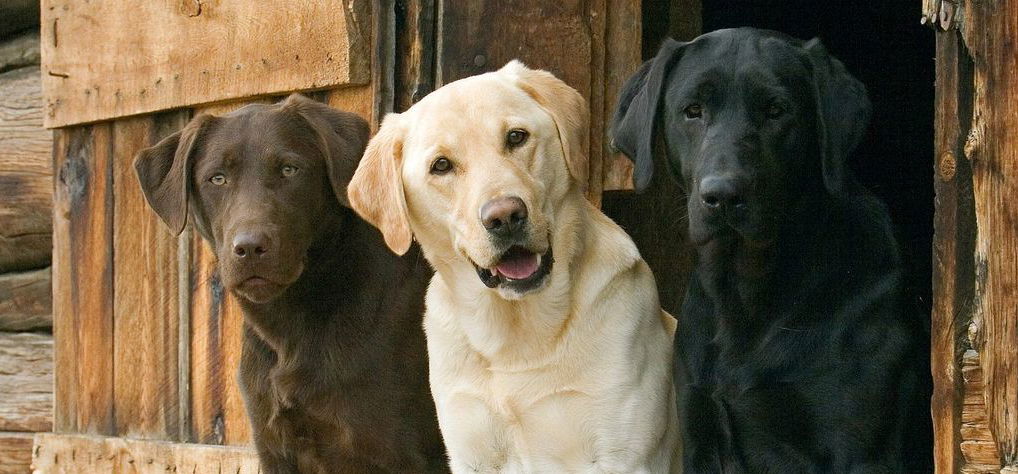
254 244
503 216
717 192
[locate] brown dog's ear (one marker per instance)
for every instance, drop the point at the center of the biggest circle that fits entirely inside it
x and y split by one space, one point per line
843 113
635 120
342 137
376 190
165 169
566 107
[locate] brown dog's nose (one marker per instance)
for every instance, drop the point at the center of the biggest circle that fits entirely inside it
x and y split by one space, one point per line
504 216
253 244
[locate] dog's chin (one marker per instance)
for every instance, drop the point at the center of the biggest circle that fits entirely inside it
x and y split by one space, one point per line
703 233
517 272
261 289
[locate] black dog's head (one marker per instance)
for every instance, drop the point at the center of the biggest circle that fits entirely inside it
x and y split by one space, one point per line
754 122
260 185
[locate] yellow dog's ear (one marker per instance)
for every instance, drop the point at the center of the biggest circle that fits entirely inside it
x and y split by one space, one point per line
376 190
566 106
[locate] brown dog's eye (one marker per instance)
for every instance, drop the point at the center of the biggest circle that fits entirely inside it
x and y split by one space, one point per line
288 170
516 137
441 166
774 110
694 111
218 179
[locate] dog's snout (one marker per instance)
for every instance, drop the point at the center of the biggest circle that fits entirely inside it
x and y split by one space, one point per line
251 244
717 192
504 216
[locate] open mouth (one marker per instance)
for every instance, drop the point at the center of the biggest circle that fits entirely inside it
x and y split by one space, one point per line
518 268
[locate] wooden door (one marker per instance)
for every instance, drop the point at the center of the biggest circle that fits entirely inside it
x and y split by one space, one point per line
975 311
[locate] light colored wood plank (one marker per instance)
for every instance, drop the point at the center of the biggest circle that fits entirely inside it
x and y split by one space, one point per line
146 312
67 454
83 280
25 173
26 300
26 382
186 53
20 51
15 453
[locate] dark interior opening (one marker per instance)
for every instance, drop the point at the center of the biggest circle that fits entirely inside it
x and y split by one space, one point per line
883 44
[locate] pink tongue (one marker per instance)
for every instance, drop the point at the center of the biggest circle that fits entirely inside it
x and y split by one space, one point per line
518 266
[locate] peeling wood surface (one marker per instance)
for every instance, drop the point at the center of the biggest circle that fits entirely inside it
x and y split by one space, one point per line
977 444
178 54
26 300
15 452
25 173
26 382
62 453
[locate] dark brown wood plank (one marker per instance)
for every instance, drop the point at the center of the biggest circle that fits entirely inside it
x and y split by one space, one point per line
83 279
26 382
15 453
18 15
146 310
26 300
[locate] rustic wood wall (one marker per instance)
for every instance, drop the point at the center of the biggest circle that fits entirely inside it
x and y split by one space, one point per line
975 315
26 345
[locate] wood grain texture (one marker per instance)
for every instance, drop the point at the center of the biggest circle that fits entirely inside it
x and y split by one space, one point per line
415 41
15 452
26 300
20 51
26 382
990 32
187 53
146 313
977 445
25 173
83 279
61 453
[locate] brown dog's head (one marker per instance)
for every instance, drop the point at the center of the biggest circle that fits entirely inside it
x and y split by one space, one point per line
477 172
261 185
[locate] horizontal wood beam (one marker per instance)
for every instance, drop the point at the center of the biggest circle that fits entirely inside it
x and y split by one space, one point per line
26 300
80 453
26 382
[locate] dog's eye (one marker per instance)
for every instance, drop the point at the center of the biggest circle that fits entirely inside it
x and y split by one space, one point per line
218 179
289 170
516 137
442 165
774 110
693 111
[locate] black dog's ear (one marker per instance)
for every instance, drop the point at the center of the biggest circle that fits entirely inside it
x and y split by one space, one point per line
342 137
633 125
843 113
164 170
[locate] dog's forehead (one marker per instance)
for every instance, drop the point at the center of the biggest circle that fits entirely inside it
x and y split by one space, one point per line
253 132
764 57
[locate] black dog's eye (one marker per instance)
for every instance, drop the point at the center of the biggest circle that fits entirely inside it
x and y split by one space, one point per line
289 170
442 165
694 111
774 110
516 137
218 179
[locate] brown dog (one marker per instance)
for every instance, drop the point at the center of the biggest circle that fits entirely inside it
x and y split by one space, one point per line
334 367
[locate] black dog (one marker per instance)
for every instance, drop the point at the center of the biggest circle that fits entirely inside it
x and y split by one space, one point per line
334 368
796 350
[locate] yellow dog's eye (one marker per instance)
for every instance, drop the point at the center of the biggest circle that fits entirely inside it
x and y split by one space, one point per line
442 165
516 137
218 179
288 170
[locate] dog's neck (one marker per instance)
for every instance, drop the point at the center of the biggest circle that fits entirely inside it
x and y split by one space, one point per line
507 332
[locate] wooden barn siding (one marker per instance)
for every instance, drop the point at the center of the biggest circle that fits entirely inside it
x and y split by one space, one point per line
975 317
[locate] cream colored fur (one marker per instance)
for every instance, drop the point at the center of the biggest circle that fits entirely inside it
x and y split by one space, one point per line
574 376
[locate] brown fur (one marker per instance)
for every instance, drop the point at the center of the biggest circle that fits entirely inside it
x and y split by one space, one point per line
334 369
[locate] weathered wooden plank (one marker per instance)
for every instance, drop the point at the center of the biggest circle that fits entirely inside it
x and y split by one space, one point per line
146 311
83 280
990 31
15 453
61 453
26 300
179 54
26 382
25 173
20 51
415 42
18 15
976 442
